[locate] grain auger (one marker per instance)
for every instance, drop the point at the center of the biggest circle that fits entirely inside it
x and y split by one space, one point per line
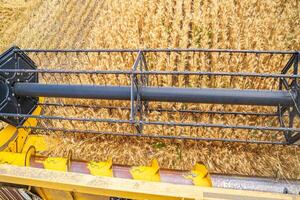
23 82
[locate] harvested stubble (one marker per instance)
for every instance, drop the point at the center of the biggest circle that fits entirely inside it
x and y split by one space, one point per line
177 23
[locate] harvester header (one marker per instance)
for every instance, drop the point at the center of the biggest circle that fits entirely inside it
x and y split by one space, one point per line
21 87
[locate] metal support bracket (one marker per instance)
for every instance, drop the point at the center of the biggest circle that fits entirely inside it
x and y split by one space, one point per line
294 89
138 107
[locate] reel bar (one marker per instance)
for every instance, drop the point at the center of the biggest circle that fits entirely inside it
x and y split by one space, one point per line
154 50
159 123
163 94
194 111
156 136
153 72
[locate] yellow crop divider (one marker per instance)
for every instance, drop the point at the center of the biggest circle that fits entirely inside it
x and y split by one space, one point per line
146 173
200 176
59 164
101 168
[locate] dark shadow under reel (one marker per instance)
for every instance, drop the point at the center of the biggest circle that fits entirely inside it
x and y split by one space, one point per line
20 91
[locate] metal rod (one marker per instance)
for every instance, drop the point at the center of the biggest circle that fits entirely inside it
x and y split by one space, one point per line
263 114
158 123
164 94
72 91
180 137
152 72
153 50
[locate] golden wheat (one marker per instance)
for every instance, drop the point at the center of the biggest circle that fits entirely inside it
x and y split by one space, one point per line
156 24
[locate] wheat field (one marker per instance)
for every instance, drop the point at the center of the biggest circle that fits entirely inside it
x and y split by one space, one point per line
232 24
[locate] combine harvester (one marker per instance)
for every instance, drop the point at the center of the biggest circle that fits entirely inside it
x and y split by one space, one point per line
24 90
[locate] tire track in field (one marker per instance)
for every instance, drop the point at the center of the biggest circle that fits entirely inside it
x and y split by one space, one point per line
90 42
72 25
80 38
34 34
60 22
47 39
67 21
